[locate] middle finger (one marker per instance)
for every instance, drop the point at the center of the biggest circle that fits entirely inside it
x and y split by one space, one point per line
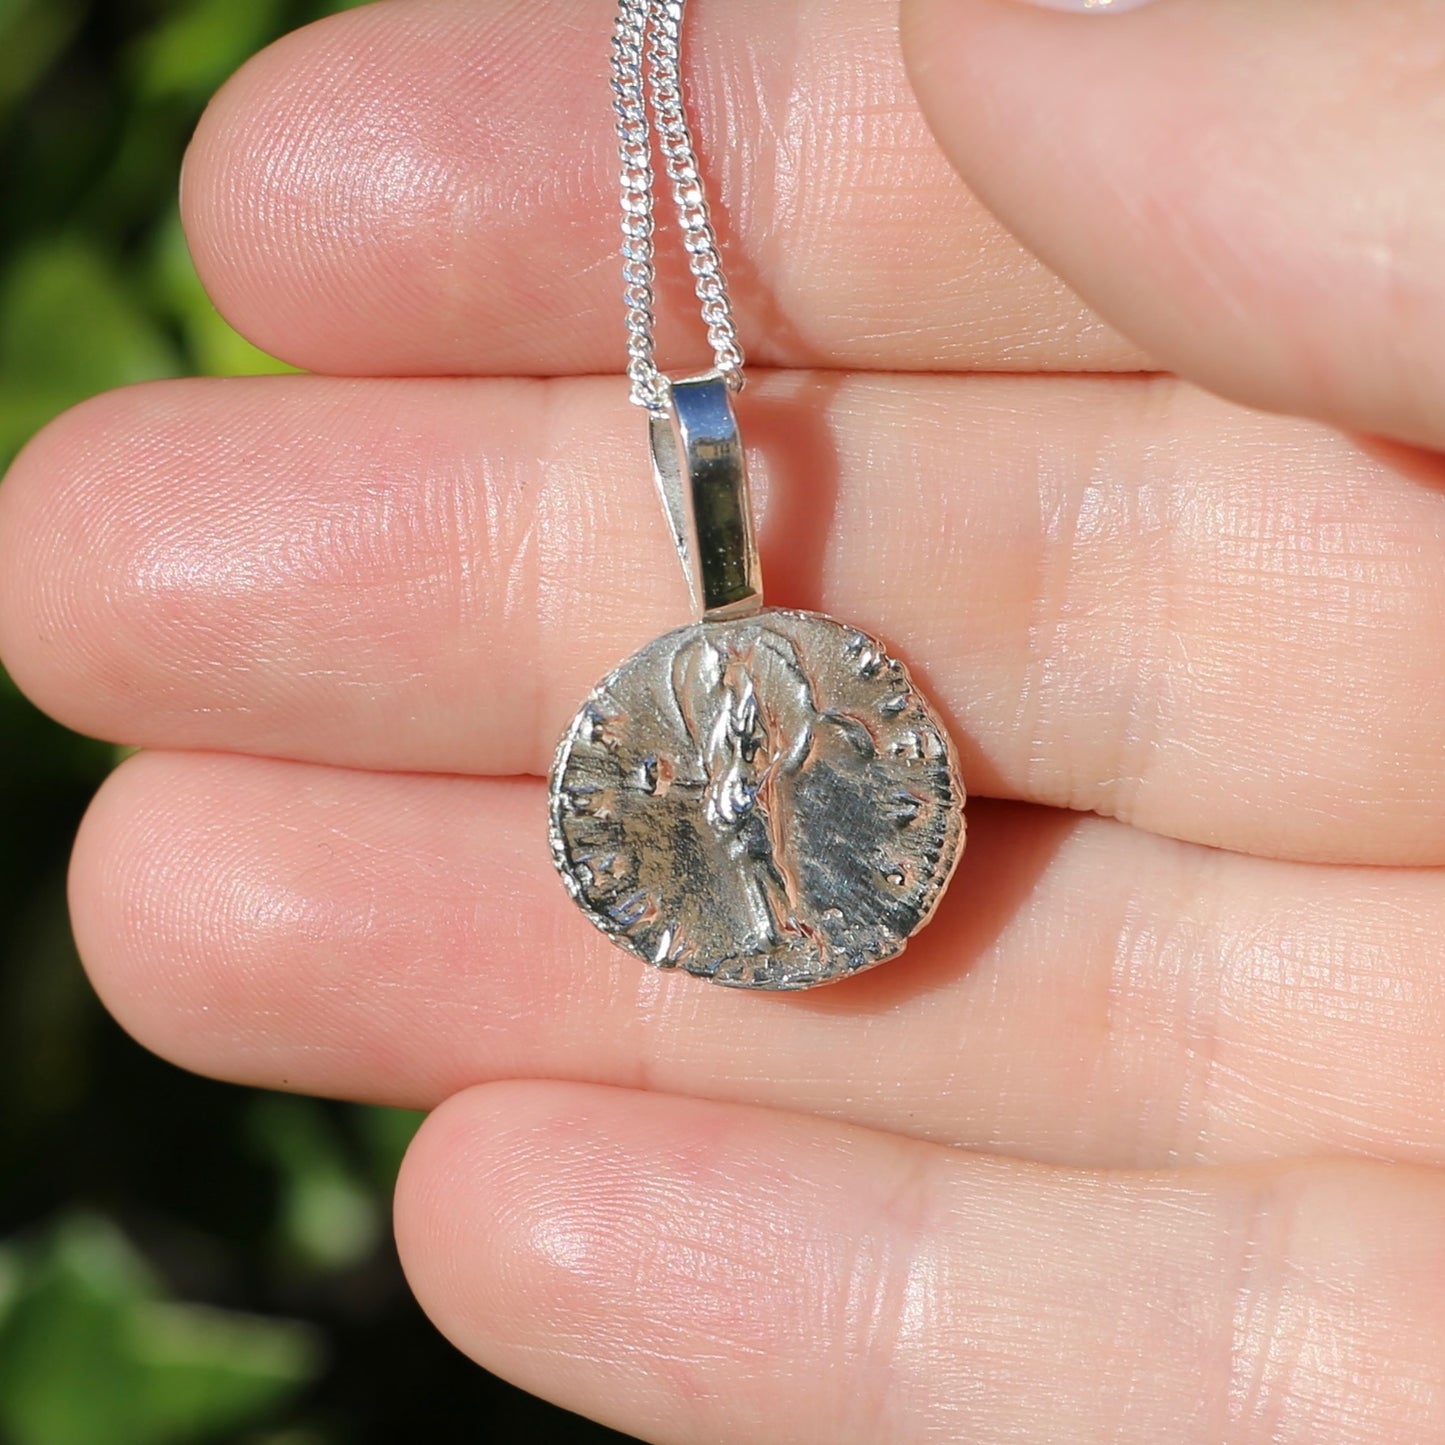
1128 597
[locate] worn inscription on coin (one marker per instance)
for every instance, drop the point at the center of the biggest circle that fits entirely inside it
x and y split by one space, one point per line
767 802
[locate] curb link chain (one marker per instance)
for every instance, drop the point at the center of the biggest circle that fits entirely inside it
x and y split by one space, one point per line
646 64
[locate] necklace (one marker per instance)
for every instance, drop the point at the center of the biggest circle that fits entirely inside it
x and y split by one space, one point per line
762 797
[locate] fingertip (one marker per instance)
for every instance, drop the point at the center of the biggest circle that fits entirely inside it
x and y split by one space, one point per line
523 1216
51 516
483 1168
364 177
556 1183
246 174
624 1253
434 1208
119 858
174 917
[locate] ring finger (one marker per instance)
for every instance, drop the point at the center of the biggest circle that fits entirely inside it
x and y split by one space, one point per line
1087 993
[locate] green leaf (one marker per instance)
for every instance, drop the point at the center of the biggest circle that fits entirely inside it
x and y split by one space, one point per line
206 1367
69 328
32 35
91 1355
386 1135
200 43
9 1282
334 7
329 1217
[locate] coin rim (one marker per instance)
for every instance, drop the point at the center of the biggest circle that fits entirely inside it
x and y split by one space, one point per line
950 850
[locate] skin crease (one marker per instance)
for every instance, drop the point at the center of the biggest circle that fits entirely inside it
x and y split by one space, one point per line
1141 1140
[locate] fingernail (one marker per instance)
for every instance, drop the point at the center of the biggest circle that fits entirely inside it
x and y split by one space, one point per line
1090 7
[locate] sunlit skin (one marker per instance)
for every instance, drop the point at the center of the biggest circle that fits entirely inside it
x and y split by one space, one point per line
1097 365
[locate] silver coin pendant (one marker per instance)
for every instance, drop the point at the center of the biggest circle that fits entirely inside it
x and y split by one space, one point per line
764 801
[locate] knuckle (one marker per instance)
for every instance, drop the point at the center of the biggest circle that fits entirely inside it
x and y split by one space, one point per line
1337 1332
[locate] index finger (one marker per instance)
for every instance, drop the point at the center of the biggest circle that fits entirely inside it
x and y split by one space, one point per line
429 187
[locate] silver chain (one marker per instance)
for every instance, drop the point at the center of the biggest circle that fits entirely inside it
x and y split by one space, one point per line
650 32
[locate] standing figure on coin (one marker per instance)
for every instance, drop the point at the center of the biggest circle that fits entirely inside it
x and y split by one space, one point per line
748 708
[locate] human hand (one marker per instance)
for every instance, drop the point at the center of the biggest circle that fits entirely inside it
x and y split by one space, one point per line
1141 1139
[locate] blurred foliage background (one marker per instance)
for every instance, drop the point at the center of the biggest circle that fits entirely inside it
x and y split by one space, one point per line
181 1262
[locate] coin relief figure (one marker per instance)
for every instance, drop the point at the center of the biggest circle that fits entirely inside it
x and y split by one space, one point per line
750 732
766 801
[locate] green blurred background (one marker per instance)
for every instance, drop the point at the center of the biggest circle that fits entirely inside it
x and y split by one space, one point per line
180 1261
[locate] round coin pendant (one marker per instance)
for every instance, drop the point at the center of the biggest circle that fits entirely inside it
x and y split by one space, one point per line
764 801
762 798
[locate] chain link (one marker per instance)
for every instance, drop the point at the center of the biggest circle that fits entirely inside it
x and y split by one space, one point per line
646 69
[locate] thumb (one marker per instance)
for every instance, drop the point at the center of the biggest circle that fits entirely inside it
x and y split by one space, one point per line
1251 191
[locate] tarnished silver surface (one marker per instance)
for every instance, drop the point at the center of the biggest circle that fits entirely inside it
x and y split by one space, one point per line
764 801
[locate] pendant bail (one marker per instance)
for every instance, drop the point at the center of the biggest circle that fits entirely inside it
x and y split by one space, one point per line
702 475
